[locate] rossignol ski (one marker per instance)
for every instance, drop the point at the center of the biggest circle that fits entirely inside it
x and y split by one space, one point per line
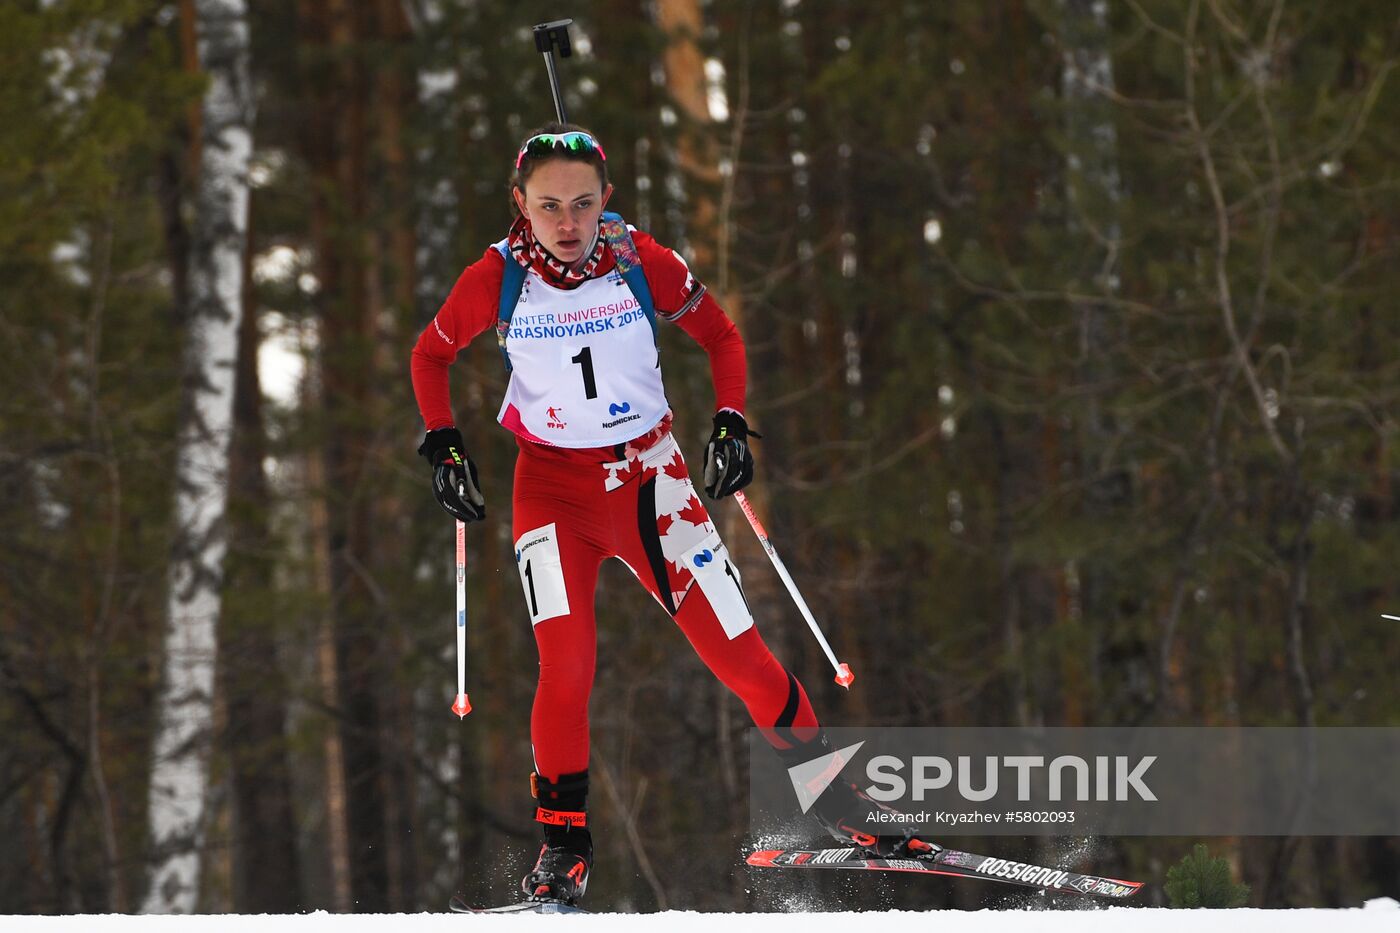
954 863
523 907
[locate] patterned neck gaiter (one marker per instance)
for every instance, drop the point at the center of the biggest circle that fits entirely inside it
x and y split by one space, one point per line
531 254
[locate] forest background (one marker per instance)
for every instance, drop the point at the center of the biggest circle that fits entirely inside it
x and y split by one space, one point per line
1071 337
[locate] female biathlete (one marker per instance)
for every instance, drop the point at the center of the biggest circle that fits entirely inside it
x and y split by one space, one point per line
573 295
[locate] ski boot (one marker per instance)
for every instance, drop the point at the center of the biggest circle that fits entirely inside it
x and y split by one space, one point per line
561 871
843 810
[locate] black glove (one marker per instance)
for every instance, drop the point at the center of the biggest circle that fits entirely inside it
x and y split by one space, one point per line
454 475
728 462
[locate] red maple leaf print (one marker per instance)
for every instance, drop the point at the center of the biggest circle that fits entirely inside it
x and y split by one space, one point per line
630 472
680 578
694 512
663 524
676 468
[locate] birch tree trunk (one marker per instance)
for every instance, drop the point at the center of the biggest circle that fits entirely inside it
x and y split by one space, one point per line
179 777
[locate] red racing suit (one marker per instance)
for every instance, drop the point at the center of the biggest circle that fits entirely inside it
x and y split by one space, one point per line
574 506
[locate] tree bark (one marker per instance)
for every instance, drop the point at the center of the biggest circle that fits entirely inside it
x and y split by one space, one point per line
684 65
394 243
327 672
337 150
179 778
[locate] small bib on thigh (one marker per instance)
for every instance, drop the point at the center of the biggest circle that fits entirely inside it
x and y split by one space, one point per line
542 574
719 579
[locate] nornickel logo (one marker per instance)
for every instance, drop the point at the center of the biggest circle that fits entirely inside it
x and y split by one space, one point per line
529 544
615 409
704 557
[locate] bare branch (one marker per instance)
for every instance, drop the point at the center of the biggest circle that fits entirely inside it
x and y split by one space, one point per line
1222 254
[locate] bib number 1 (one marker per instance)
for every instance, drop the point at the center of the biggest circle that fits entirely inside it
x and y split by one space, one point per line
534 602
585 361
541 574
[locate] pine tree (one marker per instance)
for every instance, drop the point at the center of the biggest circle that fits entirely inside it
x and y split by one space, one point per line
1203 880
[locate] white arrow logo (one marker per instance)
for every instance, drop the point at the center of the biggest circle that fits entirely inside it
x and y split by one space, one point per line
810 778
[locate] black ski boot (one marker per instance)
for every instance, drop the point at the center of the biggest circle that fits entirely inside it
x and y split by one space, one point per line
561 871
843 810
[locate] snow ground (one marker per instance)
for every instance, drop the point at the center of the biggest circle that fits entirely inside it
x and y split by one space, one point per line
1377 915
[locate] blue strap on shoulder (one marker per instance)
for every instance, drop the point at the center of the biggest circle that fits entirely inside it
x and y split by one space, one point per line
629 266
511 284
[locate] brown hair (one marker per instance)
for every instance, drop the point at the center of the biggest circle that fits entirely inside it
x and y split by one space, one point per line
528 164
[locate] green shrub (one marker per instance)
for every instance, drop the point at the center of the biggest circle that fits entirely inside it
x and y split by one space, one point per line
1200 880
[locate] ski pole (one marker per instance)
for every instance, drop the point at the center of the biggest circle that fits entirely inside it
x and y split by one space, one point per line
461 706
844 677
547 35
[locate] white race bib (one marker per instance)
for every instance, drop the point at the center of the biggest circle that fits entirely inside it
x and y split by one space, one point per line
584 365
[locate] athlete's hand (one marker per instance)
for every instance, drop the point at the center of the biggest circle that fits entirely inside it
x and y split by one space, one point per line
454 475
728 461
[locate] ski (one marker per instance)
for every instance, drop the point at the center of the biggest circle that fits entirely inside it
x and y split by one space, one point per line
524 907
954 863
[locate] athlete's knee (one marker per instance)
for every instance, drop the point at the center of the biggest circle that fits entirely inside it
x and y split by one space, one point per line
566 673
748 663
749 669
573 680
